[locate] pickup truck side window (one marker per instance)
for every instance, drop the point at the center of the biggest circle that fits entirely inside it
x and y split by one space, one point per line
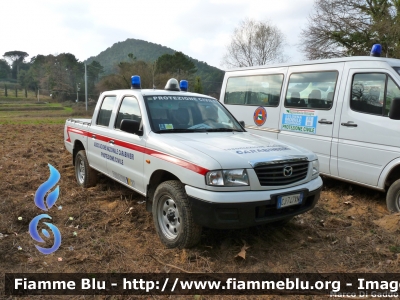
311 90
106 108
368 93
259 90
129 109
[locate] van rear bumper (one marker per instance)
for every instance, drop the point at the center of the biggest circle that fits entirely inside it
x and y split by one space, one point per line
243 214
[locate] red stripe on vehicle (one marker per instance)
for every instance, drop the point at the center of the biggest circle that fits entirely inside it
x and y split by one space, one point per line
177 161
75 130
160 155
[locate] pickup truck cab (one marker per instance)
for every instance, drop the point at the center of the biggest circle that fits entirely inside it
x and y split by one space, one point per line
341 109
192 160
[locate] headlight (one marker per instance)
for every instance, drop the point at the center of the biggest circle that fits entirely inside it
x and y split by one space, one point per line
227 178
315 168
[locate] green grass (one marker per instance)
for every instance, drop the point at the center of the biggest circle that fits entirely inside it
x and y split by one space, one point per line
33 112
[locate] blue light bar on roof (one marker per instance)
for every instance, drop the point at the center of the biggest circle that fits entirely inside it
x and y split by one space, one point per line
376 50
135 80
184 85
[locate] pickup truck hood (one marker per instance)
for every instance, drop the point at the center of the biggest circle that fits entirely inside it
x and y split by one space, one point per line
230 150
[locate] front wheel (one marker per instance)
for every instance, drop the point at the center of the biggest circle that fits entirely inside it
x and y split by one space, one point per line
85 175
393 197
173 216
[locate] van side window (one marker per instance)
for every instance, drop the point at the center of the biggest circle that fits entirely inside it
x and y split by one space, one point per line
392 91
106 108
261 90
129 109
368 93
311 90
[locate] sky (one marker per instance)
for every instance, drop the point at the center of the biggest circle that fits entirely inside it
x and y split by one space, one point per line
201 29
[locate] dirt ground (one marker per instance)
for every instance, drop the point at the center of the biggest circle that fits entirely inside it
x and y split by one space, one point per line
107 229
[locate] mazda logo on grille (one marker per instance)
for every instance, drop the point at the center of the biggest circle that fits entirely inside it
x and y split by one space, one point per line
287 171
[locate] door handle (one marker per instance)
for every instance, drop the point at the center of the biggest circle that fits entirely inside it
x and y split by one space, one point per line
111 142
349 124
324 121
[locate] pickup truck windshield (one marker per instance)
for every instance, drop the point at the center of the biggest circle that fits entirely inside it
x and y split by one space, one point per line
168 114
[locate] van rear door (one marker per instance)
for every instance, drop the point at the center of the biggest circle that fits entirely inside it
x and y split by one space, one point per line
308 111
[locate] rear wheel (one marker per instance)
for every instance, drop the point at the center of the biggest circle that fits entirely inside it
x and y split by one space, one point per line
173 216
393 197
85 175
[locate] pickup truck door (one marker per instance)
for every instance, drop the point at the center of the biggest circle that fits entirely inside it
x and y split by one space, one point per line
99 135
367 137
128 149
308 112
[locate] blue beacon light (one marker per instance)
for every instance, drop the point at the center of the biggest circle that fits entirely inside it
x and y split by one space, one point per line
135 80
184 85
376 50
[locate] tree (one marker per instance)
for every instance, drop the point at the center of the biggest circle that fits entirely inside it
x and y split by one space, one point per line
177 64
198 87
254 43
16 58
122 80
4 69
340 28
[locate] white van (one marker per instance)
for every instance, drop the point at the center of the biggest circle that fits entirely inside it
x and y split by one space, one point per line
337 108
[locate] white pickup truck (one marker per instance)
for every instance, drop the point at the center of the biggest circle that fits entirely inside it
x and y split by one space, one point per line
192 160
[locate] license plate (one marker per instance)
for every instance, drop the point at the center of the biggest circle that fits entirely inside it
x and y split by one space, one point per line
289 200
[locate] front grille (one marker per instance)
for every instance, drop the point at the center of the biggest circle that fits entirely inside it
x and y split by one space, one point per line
273 174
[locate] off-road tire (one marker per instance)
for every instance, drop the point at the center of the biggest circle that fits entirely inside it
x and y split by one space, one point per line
173 216
393 197
85 175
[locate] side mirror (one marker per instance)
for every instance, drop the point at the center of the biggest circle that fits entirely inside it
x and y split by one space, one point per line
131 126
394 112
242 123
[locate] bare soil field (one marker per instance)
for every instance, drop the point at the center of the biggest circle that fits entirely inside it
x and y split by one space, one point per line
107 229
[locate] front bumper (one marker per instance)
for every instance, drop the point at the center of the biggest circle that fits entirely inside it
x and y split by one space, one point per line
242 214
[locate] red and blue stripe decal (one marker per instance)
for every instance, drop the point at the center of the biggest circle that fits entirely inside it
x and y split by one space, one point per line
164 156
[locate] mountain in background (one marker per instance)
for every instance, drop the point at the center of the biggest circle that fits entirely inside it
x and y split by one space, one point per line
211 77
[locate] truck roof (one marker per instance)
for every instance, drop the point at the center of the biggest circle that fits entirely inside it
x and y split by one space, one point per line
159 92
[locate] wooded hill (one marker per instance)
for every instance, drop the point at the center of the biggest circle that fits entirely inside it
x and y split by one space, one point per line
211 77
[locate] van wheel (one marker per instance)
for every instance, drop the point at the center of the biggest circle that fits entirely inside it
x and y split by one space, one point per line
85 175
173 216
393 197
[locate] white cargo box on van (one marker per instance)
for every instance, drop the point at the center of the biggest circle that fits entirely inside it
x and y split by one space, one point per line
337 108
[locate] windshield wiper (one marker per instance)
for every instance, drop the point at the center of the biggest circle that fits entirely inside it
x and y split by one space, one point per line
179 130
223 130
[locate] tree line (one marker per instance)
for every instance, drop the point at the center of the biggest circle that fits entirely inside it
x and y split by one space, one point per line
154 74
62 75
335 28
